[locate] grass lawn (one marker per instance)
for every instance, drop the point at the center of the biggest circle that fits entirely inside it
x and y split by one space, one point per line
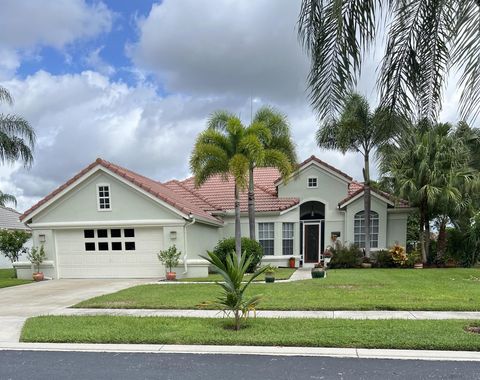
7 278
399 334
280 274
343 289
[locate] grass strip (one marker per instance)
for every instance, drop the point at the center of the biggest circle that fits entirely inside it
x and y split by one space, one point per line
343 289
393 334
7 278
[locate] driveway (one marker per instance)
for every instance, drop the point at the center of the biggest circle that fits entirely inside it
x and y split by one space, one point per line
23 301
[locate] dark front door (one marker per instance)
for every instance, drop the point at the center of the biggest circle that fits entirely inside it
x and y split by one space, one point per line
311 243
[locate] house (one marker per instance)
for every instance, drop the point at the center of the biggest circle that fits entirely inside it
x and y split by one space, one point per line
10 220
108 221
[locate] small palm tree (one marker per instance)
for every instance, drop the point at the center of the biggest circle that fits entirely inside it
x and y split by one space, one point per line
17 139
359 130
226 148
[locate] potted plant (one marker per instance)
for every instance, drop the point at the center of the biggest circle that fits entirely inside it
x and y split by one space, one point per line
170 258
318 271
270 273
418 263
291 262
36 256
366 262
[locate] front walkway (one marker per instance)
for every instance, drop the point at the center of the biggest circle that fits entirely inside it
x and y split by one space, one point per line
341 314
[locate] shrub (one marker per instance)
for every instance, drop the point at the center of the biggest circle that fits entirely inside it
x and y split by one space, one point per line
252 248
399 255
382 259
345 256
170 257
37 256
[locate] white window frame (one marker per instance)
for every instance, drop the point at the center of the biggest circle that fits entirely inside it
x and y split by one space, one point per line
109 240
316 182
289 238
268 238
109 197
358 221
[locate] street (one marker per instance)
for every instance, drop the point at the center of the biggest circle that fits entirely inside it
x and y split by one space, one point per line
90 365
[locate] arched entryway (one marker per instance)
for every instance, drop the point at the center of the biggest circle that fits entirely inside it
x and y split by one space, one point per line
312 231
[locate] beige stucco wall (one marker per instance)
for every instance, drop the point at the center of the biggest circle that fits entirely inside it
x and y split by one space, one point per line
397 228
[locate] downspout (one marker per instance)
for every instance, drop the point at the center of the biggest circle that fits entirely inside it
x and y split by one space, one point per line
192 222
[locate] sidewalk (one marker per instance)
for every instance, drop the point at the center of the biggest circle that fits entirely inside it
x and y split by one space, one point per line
360 353
341 314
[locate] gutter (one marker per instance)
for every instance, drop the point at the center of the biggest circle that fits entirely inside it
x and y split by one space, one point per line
191 223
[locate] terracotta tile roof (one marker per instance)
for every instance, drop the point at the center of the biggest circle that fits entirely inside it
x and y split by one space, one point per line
155 188
356 188
322 163
220 192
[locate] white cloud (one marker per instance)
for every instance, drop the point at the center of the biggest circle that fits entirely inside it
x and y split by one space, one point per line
96 62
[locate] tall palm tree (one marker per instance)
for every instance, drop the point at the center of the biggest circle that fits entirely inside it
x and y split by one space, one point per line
226 148
17 139
359 130
426 39
429 167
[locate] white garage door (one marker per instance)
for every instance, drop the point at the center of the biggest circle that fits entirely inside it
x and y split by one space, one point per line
125 252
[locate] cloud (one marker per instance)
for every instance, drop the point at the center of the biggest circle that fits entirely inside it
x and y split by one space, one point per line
224 47
96 62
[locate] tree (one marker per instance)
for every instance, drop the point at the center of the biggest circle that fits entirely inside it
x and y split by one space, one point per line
226 148
358 130
12 242
17 139
429 166
278 151
426 39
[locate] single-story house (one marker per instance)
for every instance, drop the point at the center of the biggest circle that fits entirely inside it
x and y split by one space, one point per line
108 221
10 220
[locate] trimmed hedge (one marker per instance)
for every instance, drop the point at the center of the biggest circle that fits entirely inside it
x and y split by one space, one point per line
252 247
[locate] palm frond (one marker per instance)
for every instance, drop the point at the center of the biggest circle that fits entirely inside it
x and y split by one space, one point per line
7 198
5 96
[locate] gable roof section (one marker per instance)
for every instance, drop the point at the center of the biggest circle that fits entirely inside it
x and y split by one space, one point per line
10 219
355 189
156 189
329 168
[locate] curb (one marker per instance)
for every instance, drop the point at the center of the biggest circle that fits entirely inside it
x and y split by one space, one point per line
359 353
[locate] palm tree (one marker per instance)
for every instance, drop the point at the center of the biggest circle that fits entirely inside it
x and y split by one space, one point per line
425 40
226 148
429 167
279 152
17 139
359 130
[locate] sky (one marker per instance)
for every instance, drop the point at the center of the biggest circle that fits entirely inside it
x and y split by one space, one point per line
134 82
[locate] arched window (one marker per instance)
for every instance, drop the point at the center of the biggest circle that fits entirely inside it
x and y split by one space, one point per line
359 229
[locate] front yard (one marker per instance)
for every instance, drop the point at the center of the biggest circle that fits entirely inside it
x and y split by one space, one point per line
344 289
7 278
280 274
398 334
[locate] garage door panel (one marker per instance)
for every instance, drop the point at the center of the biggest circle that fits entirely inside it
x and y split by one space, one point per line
76 262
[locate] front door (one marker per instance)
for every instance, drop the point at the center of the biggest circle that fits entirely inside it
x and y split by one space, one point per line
311 243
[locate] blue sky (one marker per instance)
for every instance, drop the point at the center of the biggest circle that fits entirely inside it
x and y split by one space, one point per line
133 82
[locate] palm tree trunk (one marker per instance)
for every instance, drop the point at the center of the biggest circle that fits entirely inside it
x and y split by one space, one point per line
427 235
423 233
251 204
238 231
442 240
367 202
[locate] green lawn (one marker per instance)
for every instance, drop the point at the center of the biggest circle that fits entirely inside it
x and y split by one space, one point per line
399 334
280 274
7 278
343 289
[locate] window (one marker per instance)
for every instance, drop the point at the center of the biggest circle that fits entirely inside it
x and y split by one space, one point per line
102 233
287 239
116 233
104 203
129 232
103 246
312 182
266 237
130 246
359 229
89 246
116 246
87 234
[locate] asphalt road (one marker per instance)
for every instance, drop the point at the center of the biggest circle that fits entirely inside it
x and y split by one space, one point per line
119 366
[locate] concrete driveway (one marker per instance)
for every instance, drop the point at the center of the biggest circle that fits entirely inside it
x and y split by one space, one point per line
17 303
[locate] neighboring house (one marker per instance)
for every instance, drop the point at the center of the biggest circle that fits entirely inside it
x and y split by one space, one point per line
10 220
108 221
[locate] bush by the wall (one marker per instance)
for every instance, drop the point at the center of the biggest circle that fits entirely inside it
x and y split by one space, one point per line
251 247
345 256
382 259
